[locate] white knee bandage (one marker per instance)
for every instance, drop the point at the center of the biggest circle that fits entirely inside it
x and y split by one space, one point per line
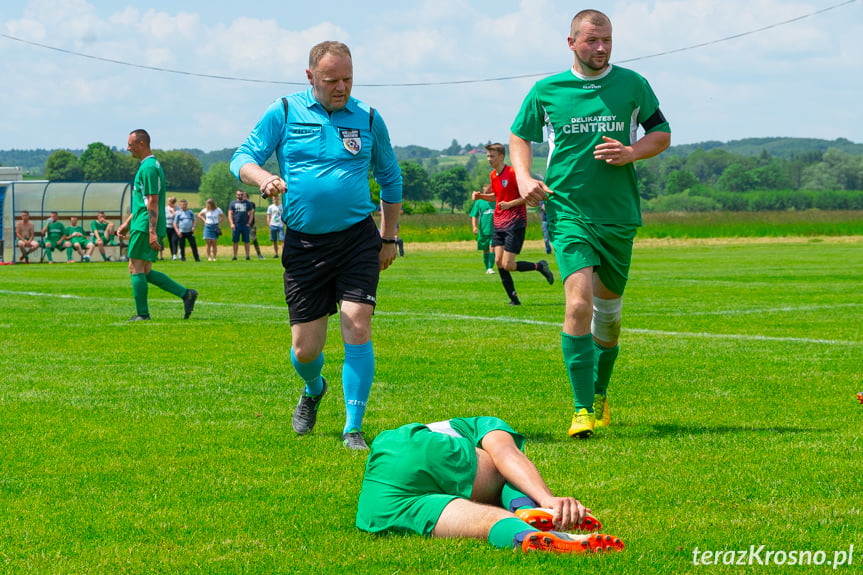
606 319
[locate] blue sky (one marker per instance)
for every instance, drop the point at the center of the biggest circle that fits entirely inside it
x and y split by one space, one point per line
802 79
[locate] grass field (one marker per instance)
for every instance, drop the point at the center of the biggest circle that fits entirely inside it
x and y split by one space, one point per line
166 446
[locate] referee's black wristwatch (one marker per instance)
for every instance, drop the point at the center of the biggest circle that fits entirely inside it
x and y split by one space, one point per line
388 240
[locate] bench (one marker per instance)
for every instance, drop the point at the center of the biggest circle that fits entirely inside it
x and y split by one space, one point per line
116 250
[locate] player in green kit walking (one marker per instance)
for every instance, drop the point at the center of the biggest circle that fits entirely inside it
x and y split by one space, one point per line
482 221
591 112
146 229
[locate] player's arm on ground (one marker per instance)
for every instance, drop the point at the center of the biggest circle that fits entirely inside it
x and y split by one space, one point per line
520 471
521 156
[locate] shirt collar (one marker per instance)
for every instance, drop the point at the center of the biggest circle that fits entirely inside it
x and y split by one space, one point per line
310 102
605 73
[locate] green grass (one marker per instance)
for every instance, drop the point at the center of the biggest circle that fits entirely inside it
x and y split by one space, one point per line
166 447
810 223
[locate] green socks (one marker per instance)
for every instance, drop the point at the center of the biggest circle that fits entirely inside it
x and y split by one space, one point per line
578 357
158 279
604 365
509 532
139 291
161 280
512 499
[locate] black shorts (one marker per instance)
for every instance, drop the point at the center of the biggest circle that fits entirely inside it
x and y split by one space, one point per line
321 270
511 239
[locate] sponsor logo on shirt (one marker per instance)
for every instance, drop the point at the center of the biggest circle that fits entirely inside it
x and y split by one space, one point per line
593 125
351 140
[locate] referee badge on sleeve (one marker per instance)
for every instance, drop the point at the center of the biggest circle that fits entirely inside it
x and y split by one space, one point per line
351 140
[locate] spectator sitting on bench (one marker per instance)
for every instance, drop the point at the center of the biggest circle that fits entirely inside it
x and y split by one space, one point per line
75 238
25 233
53 235
103 234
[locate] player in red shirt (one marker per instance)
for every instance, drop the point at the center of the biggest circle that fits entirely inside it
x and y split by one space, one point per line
510 223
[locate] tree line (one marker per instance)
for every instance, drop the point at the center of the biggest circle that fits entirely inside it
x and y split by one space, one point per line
99 163
685 178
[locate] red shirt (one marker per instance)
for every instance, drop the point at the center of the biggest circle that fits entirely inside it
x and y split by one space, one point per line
505 189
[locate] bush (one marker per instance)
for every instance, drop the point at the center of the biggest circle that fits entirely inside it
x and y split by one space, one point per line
682 202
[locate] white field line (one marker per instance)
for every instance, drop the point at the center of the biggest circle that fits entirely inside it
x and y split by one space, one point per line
512 320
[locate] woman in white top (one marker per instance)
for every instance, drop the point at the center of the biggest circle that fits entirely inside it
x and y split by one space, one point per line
212 217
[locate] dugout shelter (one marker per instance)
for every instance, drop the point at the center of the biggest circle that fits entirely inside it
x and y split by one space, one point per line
41 197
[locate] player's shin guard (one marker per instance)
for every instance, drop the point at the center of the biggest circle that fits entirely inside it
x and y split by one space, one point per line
164 282
139 291
310 373
578 358
603 366
357 375
509 532
512 499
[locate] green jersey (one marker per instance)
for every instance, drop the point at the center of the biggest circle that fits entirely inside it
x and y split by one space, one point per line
55 231
149 181
98 229
577 112
74 230
483 210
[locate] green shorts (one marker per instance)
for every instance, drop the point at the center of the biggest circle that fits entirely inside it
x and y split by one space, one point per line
483 242
56 244
412 474
605 247
139 246
78 240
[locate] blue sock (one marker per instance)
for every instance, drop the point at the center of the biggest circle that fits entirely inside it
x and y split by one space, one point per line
310 373
357 375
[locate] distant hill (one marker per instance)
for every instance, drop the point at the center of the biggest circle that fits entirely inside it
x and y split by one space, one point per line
33 161
777 147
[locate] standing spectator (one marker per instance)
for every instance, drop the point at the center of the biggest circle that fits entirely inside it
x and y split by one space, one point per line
53 235
212 217
240 212
145 228
591 112
275 223
510 223
482 221
325 142
25 233
102 233
170 211
184 227
253 227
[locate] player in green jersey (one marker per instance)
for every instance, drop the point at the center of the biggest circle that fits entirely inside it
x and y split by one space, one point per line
52 236
482 221
591 112
467 477
76 239
145 228
102 231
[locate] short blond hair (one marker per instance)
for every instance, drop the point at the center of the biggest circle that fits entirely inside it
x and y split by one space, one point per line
318 51
594 17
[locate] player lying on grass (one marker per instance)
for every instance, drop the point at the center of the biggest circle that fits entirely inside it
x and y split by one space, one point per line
467 477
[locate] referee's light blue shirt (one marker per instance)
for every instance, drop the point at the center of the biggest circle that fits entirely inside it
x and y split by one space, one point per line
324 158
